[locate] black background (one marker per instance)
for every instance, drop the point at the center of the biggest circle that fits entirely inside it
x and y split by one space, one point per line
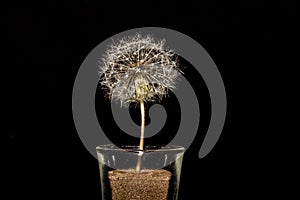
45 43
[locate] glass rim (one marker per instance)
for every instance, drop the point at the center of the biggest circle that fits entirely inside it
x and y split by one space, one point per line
113 147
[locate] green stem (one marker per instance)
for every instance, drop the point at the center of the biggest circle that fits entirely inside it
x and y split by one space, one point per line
142 143
142 125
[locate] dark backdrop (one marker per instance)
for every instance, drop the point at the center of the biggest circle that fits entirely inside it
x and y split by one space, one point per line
45 44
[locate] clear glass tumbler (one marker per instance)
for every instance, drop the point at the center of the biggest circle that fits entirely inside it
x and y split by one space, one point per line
158 178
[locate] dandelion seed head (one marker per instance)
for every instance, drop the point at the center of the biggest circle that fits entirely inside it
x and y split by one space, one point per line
138 68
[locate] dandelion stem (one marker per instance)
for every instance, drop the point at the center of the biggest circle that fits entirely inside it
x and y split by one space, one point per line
142 143
142 125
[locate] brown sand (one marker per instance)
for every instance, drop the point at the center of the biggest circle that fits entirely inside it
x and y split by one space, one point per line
147 185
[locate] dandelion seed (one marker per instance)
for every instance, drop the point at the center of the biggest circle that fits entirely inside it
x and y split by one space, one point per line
138 69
